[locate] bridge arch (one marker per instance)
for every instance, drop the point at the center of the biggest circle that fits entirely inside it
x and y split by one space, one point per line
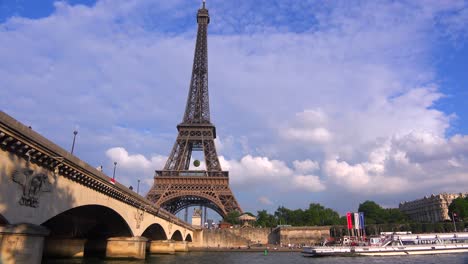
188 238
3 220
177 236
155 232
88 221
177 202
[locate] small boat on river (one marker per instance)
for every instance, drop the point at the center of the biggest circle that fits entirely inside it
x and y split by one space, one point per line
391 244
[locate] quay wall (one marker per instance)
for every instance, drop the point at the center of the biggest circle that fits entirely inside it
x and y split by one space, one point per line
244 237
307 235
255 235
218 238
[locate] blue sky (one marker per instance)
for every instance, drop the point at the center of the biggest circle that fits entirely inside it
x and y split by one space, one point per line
333 102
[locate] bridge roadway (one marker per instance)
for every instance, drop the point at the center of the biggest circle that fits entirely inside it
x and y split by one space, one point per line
55 204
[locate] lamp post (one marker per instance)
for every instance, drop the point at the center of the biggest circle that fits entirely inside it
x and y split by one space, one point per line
113 175
74 137
138 187
453 219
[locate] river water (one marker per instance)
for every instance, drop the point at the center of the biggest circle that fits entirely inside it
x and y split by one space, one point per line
273 258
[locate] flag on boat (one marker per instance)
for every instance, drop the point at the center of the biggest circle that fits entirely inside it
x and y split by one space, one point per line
349 221
356 221
361 220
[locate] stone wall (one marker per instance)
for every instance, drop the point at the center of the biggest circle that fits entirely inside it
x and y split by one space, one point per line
243 237
255 235
307 235
218 238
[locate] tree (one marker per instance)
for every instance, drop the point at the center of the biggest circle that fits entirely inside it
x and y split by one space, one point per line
283 215
232 217
264 219
373 212
460 207
316 214
394 215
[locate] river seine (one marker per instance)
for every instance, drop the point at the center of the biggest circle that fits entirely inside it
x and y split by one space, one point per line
274 258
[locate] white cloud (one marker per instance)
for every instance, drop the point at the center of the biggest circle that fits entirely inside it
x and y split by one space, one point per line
313 135
253 171
360 178
308 127
135 166
264 200
306 166
416 161
309 183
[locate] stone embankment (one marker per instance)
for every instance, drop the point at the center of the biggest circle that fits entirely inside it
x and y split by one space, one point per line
245 238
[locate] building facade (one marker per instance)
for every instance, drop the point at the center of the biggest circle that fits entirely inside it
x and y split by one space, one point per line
431 209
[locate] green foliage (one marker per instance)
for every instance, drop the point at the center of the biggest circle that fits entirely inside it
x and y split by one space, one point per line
460 207
394 215
316 214
232 217
375 214
264 219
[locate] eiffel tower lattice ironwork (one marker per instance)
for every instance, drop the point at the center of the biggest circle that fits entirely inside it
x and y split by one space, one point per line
177 187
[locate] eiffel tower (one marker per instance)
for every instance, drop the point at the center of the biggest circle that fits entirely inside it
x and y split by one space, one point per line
177 187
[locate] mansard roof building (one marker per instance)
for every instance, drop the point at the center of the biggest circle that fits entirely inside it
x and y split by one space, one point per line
431 209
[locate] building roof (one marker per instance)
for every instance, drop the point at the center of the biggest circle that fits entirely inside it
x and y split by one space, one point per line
247 217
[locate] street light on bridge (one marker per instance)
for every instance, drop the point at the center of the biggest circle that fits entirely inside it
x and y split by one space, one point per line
113 175
138 187
74 137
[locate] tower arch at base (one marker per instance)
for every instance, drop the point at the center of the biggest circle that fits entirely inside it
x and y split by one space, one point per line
177 202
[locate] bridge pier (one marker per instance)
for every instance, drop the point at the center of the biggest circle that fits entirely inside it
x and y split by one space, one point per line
126 247
180 246
161 247
22 243
64 247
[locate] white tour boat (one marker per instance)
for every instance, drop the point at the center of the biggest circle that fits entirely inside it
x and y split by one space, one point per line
397 244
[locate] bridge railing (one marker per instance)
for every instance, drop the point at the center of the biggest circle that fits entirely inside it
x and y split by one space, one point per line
30 145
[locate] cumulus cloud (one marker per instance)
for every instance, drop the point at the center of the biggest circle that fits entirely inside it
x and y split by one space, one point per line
310 183
418 160
363 178
135 161
308 127
254 171
306 166
135 166
264 200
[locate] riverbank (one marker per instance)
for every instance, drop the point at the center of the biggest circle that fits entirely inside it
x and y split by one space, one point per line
244 249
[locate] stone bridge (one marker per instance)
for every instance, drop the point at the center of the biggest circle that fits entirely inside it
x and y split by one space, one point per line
47 194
